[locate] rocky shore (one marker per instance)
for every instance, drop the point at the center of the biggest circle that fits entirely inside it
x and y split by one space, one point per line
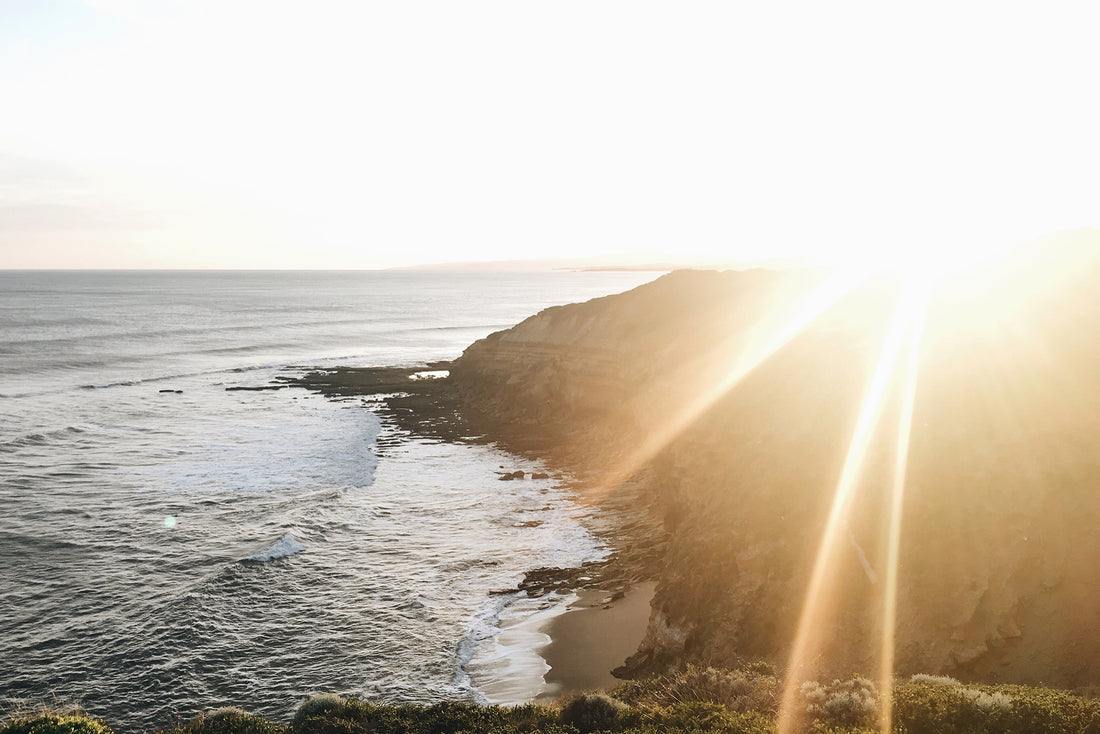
437 408
713 434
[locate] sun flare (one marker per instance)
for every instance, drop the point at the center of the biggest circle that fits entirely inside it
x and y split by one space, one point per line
906 326
929 263
517 368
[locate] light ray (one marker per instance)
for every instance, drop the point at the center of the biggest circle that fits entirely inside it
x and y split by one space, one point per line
765 340
897 498
807 636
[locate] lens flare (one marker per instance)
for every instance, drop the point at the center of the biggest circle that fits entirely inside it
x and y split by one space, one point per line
909 312
766 338
897 498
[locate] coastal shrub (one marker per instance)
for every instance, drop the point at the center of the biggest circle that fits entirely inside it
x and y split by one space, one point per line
317 706
988 703
934 680
531 717
454 717
357 717
934 708
852 702
231 720
590 712
71 723
450 717
939 708
1037 709
922 705
360 717
698 716
760 667
739 690
825 727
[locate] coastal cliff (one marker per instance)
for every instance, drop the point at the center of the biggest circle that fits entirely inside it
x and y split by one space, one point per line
734 397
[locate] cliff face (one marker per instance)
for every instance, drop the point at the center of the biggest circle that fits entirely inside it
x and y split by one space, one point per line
741 410
613 364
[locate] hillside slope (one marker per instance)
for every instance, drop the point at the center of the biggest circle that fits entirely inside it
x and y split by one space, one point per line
741 409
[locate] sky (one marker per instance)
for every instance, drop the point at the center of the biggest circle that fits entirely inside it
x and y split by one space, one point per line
225 134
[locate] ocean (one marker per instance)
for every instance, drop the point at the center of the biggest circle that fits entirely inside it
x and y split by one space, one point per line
168 546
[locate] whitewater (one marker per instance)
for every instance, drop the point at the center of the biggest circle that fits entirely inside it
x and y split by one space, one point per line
168 545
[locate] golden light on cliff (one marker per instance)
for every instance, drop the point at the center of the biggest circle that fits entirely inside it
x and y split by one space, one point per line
905 325
779 326
953 310
918 270
897 501
919 277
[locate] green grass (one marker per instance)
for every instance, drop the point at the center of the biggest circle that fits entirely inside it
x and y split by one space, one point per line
695 701
55 723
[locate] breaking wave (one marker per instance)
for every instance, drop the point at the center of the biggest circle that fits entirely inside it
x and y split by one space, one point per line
284 547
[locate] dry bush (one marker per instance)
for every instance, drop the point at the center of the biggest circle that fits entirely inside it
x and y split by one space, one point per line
852 702
737 690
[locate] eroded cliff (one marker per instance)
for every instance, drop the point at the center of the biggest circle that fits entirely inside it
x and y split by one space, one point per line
737 396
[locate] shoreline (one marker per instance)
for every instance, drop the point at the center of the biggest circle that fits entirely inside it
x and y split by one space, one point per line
549 648
570 627
595 635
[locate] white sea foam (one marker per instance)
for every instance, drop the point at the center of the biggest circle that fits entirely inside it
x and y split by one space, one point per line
281 548
429 375
505 666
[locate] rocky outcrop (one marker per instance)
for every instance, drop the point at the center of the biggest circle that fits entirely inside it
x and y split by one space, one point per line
736 395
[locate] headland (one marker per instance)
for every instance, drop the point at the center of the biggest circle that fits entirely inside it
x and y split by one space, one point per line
712 414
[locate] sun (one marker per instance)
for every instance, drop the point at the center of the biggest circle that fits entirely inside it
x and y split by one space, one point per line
919 272
928 263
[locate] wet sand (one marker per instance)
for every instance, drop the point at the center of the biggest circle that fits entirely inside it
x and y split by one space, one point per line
596 635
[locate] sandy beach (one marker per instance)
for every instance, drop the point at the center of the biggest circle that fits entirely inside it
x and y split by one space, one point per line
594 636
548 649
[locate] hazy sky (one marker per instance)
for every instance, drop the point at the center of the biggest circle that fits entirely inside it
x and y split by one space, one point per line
363 134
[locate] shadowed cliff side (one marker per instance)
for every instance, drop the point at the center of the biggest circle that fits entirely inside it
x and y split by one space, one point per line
737 395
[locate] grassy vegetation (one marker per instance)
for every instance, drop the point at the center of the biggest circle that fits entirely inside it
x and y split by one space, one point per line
695 701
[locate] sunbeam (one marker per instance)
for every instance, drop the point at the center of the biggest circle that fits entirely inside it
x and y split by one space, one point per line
818 598
765 338
897 497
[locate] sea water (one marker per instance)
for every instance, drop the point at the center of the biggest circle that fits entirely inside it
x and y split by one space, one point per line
168 546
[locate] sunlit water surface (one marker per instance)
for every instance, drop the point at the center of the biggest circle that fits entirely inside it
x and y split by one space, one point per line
165 552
